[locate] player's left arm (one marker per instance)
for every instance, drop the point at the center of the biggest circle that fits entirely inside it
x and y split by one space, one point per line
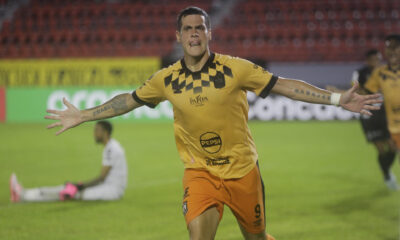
105 170
349 100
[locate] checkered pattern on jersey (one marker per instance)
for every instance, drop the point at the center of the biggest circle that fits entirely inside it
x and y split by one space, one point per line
213 73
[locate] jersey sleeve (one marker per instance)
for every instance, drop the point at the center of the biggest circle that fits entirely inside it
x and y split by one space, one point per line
252 77
151 93
372 83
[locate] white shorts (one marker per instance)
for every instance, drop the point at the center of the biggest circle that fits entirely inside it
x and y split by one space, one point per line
102 192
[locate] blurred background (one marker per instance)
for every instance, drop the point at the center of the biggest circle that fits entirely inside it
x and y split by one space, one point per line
121 43
323 181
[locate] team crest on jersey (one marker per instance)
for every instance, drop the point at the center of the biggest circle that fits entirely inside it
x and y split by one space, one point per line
184 208
213 74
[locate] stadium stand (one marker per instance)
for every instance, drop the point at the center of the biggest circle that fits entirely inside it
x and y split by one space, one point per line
308 30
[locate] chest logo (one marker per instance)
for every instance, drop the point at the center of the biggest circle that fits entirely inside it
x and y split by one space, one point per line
210 142
198 101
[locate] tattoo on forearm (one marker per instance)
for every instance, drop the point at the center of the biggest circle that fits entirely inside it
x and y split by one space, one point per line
312 94
118 104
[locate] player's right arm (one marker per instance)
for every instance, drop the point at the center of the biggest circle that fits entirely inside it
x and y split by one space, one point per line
150 93
72 116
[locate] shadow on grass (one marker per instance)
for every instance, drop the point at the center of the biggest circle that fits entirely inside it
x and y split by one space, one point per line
364 203
359 202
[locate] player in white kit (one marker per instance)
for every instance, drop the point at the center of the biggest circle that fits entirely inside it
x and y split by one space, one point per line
109 185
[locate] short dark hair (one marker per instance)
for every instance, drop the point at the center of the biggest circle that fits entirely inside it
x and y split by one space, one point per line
371 52
106 125
192 11
394 37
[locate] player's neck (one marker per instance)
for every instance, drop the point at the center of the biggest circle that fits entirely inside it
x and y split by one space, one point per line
106 140
195 64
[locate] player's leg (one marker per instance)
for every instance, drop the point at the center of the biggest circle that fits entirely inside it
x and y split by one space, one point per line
376 131
201 204
41 194
248 204
386 156
102 192
204 226
257 236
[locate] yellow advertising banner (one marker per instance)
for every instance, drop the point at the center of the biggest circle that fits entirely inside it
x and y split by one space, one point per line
77 72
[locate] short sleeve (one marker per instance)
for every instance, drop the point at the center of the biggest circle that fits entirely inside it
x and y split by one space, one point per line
151 93
254 78
109 157
372 83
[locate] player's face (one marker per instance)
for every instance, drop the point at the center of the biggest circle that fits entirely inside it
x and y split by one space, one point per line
99 133
194 35
392 52
374 60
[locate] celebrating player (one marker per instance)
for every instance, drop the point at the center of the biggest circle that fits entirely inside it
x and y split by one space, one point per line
375 127
110 185
208 94
386 79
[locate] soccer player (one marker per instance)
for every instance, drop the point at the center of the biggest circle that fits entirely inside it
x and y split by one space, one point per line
208 94
375 127
386 79
109 185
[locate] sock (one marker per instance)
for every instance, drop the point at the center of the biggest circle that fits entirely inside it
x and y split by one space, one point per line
43 194
386 160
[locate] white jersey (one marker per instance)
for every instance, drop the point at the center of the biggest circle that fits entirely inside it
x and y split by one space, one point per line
114 156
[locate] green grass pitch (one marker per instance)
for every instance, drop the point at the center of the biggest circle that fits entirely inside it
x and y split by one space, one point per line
322 182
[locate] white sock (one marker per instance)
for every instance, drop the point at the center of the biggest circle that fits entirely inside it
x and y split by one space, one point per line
42 194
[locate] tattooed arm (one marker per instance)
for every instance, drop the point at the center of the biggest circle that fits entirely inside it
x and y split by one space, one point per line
349 100
72 117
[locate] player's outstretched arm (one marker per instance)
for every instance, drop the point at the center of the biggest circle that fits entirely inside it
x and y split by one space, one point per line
349 100
72 116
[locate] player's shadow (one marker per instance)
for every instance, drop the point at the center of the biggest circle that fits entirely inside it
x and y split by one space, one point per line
360 202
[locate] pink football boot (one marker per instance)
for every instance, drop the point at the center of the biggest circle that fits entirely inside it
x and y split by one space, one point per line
68 192
15 189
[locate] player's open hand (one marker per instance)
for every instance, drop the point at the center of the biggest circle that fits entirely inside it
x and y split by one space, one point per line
68 118
355 102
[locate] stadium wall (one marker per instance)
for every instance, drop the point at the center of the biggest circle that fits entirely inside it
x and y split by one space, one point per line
29 87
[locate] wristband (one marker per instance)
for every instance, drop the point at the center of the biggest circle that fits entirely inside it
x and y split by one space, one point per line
335 99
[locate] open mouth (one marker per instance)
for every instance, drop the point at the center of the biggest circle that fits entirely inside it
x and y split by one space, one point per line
194 43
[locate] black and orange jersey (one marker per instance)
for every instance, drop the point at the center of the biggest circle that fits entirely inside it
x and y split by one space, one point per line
387 81
211 111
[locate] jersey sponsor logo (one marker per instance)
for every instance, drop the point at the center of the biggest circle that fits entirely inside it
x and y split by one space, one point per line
210 142
217 161
198 101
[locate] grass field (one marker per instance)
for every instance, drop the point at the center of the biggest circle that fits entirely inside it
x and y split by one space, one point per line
322 182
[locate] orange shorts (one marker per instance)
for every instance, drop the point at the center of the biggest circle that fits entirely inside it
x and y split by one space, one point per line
396 139
244 196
